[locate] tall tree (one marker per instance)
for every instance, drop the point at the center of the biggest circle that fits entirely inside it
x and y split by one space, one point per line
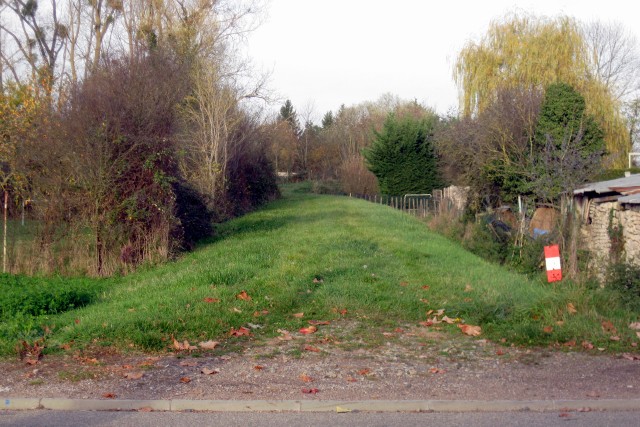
533 52
403 157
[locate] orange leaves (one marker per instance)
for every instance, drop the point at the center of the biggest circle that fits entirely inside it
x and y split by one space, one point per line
185 380
547 329
470 330
310 390
109 395
365 371
243 296
258 367
342 311
311 348
260 313
242 331
571 308
437 371
308 330
607 326
305 378
210 300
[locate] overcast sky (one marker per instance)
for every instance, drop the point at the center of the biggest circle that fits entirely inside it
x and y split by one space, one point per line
331 52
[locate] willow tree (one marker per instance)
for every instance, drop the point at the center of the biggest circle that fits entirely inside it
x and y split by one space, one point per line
533 52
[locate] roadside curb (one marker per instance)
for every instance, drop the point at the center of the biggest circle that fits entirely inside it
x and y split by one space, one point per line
321 405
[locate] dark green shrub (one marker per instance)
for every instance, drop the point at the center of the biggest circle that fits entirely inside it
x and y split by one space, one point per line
624 278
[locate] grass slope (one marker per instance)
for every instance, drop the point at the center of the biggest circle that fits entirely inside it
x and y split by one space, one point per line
369 259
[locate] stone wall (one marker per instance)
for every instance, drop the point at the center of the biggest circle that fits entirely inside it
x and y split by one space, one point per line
595 232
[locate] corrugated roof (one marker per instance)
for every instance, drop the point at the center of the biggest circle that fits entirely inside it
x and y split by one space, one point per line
626 185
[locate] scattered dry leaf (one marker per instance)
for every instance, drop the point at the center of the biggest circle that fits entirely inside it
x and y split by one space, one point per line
587 345
208 345
241 331
311 348
426 287
319 322
571 343
310 390
365 371
210 300
308 330
317 280
571 308
260 313
305 378
404 283
470 330
634 325
285 335
437 371
243 296
547 329
500 352
146 409
258 367
236 310
607 326
209 371
298 315
133 375
109 395
183 345
630 356
468 288
351 379
614 338
185 380
447 319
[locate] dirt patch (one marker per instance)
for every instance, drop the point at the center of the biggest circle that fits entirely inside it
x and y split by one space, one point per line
405 363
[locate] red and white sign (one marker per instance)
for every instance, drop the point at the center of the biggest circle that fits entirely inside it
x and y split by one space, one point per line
552 259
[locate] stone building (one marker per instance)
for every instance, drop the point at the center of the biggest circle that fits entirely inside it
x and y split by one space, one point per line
610 214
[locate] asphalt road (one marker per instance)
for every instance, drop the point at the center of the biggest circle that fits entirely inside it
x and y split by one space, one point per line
323 419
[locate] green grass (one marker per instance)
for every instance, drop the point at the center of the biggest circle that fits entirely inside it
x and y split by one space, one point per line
366 258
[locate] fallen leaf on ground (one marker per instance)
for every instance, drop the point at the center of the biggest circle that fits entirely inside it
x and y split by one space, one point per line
298 315
210 300
447 319
614 338
426 287
547 329
260 313
365 371
638 334
316 280
185 380
311 348
146 409
404 283
571 343
208 345
341 410
319 322
308 330
109 395
351 379
209 371
254 326
468 288
424 300
183 345
607 326
236 310
587 345
305 378
470 330
630 356
585 409
634 325
310 390
243 296
258 367
426 323
500 352
440 312
285 335
593 394
571 309
437 371
241 331
133 375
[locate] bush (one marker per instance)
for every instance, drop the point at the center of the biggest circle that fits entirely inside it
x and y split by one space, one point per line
37 297
625 279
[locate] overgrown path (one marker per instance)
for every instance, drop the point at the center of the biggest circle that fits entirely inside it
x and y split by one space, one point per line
353 299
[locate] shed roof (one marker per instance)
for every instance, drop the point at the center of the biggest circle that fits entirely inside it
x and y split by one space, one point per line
628 188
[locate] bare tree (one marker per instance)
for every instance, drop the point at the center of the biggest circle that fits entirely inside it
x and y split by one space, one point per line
615 55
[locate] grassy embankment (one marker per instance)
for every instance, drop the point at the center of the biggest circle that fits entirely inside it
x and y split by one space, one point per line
369 259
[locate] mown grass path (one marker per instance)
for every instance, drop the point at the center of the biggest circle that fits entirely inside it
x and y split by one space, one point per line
320 256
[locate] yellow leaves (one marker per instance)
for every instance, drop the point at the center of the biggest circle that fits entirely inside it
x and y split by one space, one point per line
571 309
